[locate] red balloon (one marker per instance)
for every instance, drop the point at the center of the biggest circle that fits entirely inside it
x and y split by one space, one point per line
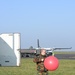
51 63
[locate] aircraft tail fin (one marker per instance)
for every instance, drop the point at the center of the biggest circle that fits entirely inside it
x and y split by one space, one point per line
38 43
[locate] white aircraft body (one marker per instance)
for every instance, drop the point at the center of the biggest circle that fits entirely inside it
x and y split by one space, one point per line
50 50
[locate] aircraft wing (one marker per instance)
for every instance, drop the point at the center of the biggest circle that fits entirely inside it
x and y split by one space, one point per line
53 48
61 48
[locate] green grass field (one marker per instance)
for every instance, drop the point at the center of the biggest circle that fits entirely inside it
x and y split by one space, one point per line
66 67
64 52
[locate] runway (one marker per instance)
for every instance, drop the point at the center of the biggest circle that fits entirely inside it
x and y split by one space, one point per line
59 56
65 56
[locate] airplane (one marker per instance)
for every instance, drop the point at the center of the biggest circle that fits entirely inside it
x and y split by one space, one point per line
36 51
49 51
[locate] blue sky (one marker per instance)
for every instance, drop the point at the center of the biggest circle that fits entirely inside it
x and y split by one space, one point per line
50 21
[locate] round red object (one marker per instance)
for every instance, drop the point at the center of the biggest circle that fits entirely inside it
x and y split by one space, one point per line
51 63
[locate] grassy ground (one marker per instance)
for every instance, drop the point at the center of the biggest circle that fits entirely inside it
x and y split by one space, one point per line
64 52
66 67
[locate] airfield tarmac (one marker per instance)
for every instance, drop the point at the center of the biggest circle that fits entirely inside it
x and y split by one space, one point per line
65 56
62 56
